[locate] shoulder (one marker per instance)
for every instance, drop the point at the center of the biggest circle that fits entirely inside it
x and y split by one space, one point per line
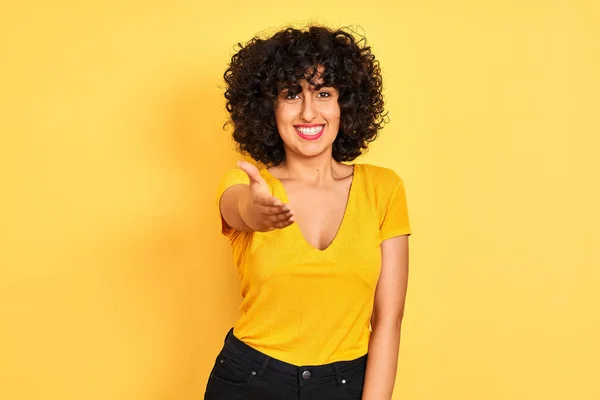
236 176
379 176
379 185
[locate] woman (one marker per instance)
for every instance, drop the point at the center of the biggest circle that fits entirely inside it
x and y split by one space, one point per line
321 246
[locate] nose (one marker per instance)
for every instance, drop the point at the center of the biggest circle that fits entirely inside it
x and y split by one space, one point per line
308 112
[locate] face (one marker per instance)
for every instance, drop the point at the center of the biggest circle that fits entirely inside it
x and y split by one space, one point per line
308 120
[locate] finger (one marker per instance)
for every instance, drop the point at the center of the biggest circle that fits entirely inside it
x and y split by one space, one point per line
283 208
275 210
281 217
271 218
251 171
283 224
267 200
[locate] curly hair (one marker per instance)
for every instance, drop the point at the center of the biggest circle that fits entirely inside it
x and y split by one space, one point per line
259 69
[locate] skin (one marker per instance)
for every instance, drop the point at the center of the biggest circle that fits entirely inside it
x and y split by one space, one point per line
310 106
386 322
317 187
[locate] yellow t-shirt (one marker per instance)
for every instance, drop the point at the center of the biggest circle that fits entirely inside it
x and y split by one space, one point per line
307 306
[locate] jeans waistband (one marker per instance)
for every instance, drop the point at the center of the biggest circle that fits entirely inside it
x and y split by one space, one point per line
335 369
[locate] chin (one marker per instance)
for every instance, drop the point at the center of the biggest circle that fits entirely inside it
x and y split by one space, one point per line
313 151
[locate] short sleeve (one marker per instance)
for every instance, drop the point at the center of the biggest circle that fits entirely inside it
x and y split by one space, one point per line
395 221
231 178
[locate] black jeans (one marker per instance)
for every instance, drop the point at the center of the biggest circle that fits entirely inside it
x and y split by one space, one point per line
241 372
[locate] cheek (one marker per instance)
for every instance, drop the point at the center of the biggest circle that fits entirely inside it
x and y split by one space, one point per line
284 114
284 117
331 113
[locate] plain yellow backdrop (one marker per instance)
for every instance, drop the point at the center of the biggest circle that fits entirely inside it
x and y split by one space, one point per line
115 283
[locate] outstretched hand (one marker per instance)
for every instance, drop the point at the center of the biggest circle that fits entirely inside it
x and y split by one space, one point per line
262 211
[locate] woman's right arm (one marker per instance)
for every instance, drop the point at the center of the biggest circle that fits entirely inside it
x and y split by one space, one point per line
250 208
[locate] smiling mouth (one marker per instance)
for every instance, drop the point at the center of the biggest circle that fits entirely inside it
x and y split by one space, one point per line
310 132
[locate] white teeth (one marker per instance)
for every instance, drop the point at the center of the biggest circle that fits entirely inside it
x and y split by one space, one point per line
310 131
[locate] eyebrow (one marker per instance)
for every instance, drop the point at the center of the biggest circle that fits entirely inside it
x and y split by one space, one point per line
299 88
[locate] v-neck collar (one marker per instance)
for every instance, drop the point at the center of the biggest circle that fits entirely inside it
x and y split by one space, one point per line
348 210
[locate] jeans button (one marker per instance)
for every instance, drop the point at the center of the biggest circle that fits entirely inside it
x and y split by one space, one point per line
306 375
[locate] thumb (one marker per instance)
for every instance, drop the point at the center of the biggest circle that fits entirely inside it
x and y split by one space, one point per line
251 171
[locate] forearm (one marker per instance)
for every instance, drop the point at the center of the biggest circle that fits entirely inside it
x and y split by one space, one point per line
382 361
232 206
242 209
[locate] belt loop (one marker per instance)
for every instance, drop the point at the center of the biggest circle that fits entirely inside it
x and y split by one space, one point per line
338 377
264 365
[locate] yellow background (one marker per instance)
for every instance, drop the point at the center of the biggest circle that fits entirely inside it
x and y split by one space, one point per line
115 283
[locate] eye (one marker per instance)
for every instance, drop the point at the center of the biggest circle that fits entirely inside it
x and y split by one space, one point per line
324 94
291 96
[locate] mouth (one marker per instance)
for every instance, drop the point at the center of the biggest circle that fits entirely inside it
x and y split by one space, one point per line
310 131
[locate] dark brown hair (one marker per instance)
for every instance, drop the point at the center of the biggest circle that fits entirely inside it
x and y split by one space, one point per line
261 67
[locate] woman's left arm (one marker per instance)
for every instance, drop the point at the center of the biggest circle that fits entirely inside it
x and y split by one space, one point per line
386 321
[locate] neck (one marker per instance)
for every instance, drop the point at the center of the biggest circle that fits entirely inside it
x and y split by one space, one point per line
316 170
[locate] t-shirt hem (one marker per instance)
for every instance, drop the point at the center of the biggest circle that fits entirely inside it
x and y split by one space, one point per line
395 233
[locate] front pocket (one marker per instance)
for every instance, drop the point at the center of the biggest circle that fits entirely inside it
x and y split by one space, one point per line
353 381
228 370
